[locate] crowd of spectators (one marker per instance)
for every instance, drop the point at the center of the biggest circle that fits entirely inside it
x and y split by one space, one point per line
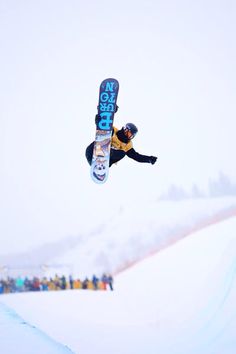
20 284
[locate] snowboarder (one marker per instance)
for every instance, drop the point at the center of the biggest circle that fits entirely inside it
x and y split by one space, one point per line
121 145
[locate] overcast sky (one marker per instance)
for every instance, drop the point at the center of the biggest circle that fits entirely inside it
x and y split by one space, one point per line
175 62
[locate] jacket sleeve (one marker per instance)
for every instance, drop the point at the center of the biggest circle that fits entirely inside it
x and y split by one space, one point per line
137 157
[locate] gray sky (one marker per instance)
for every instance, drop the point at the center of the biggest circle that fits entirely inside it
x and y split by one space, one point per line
175 61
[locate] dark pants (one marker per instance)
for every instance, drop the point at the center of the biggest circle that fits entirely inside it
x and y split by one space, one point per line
115 155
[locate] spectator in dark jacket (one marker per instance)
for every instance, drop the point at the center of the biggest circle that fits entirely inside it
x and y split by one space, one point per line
110 282
71 281
95 281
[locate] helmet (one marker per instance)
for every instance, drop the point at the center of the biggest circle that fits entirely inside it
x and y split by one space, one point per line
130 130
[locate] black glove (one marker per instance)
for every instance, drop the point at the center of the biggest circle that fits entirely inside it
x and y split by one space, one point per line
97 119
152 159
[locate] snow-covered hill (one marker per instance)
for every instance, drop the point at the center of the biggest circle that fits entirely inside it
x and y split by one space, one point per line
180 301
129 235
134 233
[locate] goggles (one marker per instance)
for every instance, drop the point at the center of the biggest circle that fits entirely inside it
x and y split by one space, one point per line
129 134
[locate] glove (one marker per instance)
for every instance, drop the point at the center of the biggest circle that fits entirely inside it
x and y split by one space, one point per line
152 159
97 119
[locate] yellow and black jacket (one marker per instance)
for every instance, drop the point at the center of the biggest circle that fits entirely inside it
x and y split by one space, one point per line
120 142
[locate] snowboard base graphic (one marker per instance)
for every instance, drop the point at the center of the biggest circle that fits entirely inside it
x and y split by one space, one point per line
106 109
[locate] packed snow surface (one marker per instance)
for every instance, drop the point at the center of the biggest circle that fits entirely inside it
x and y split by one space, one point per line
180 301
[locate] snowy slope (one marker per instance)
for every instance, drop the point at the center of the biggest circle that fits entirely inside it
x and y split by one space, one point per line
17 336
136 231
180 301
130 234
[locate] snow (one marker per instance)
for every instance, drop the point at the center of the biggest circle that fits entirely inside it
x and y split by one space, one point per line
134 232
18 336
179 301
131 233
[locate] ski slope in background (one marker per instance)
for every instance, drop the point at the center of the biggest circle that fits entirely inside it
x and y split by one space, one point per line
135 232
180 301
131 233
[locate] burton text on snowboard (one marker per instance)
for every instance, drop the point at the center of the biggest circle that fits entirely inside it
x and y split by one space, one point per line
106 109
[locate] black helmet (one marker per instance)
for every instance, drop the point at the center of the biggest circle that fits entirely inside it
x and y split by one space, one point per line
130 130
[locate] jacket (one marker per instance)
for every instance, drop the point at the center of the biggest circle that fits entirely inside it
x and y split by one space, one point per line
120 142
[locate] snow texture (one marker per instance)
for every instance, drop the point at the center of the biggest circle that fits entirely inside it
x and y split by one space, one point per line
179 301
18 336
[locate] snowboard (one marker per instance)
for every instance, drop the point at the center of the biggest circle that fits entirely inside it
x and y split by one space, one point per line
108 93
